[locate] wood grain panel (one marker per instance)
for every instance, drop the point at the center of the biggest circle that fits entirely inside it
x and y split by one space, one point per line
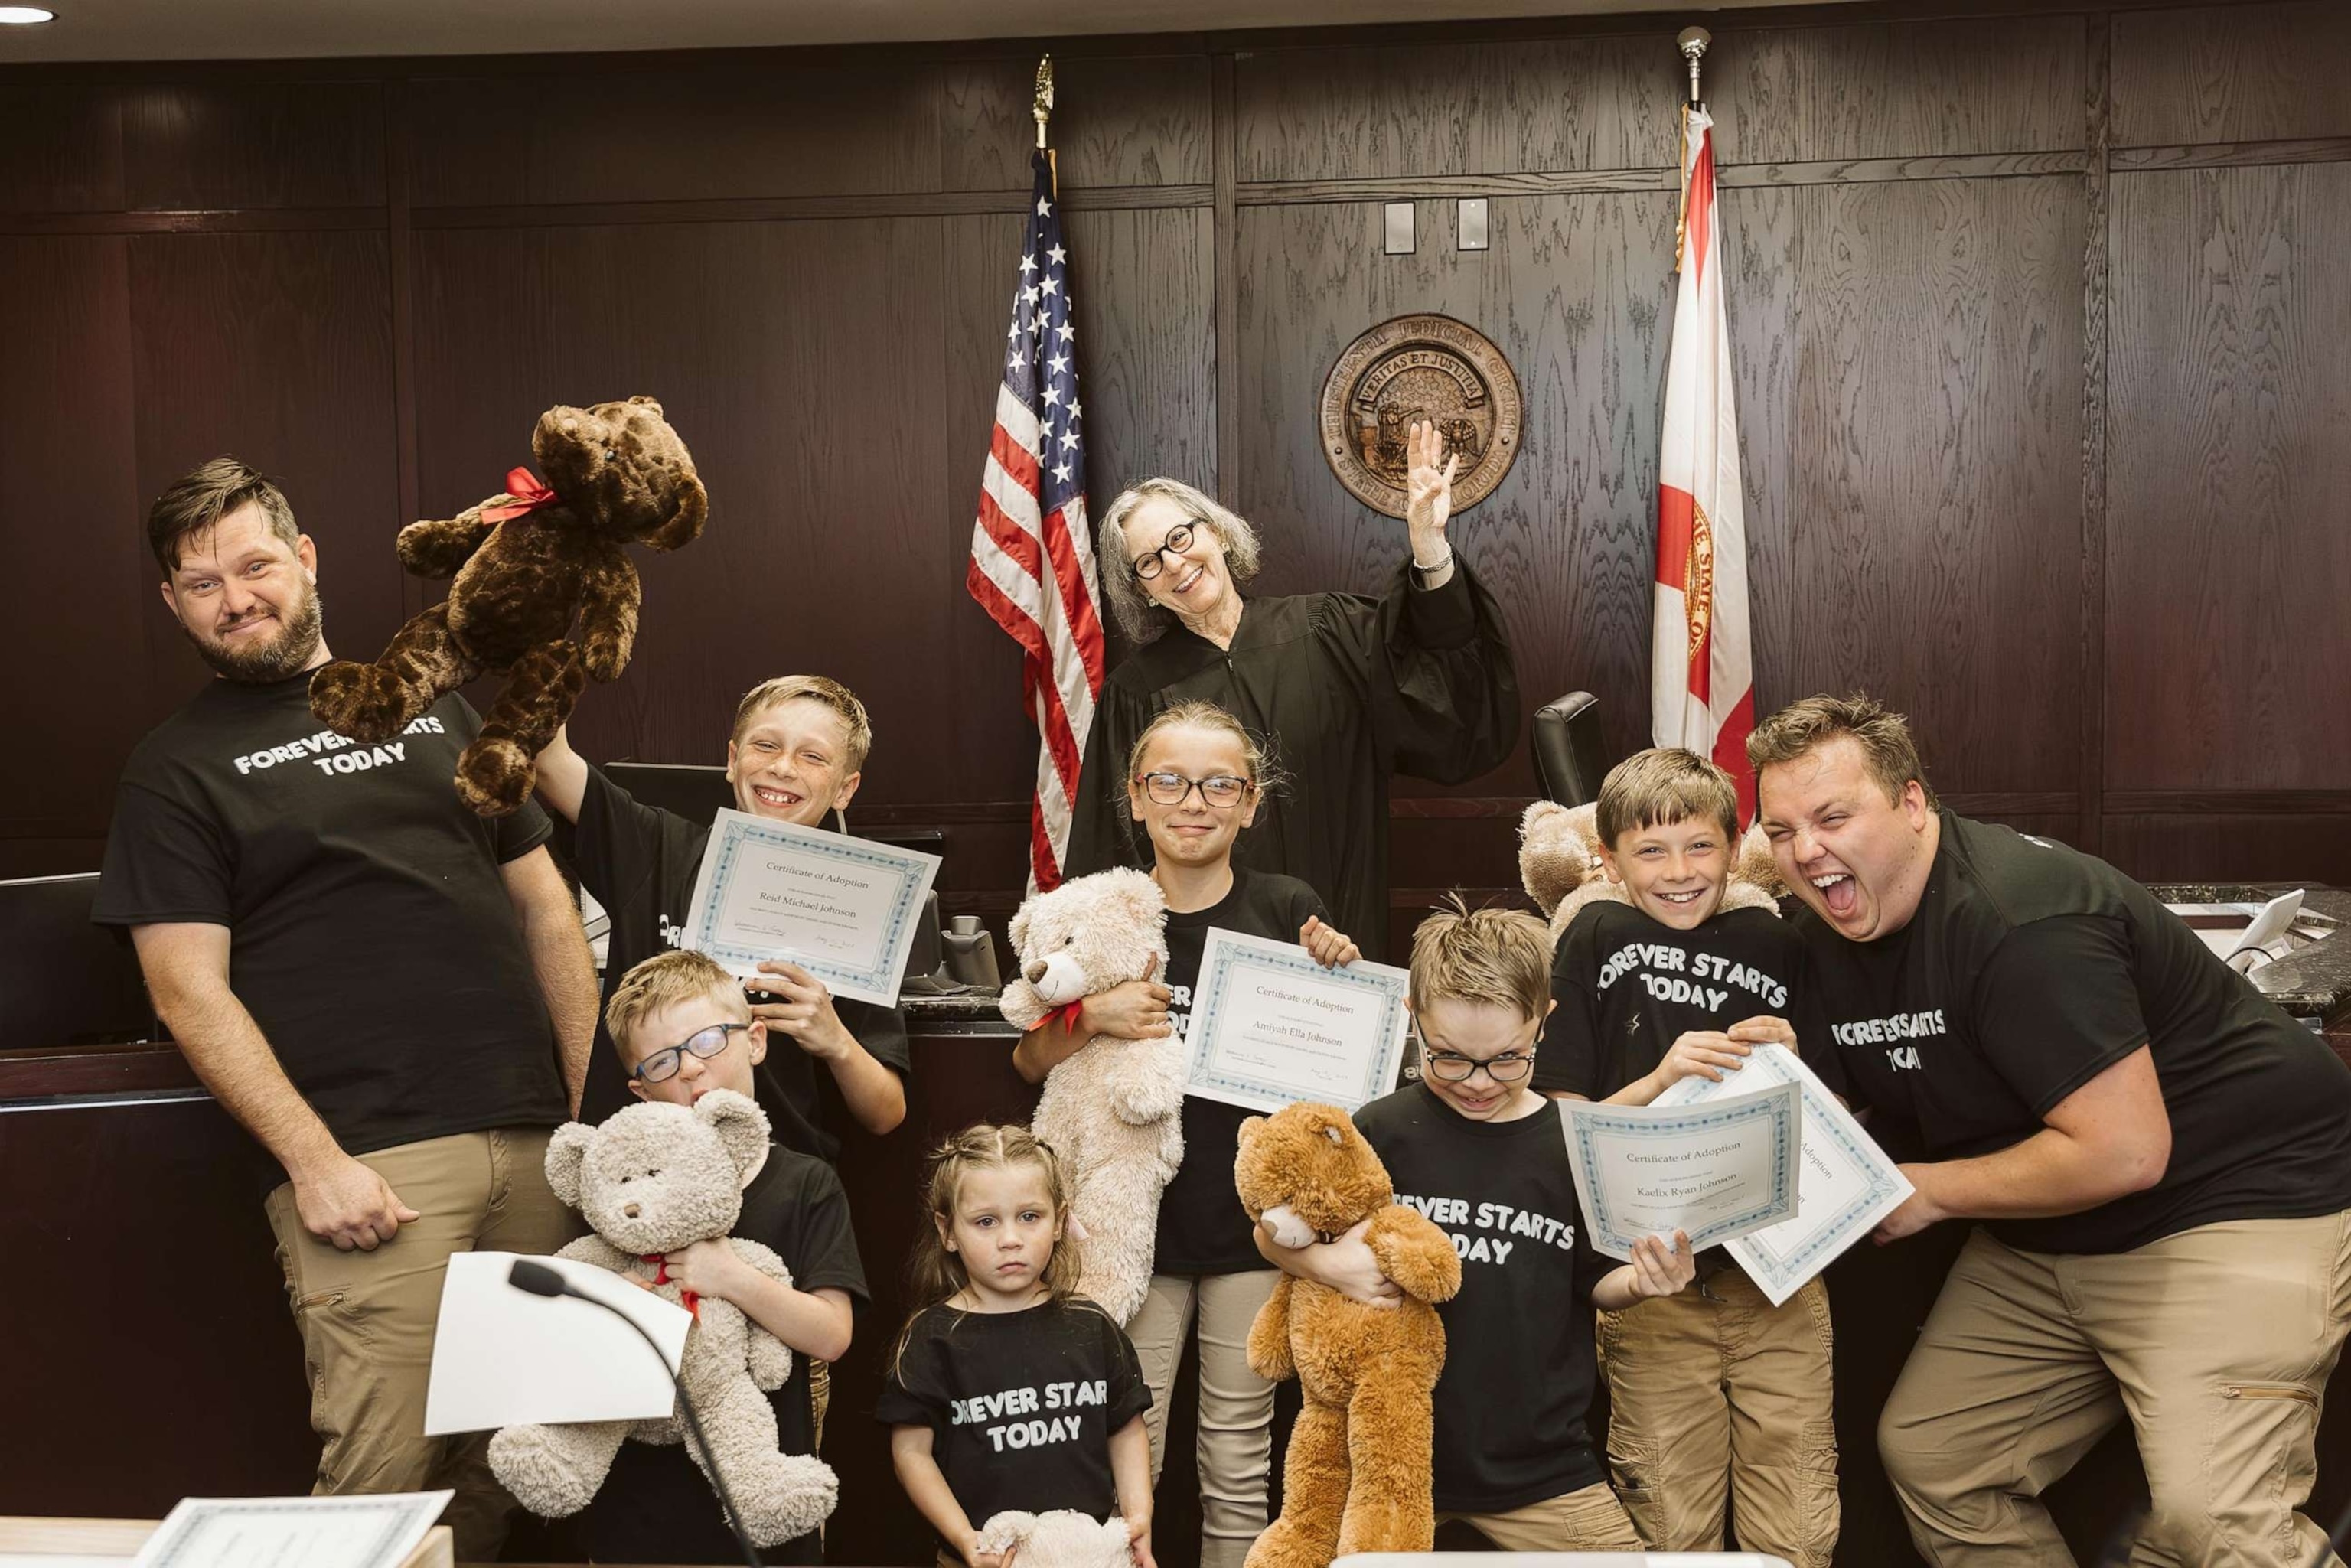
274 144
1901 89
2226 555
66 485
1143 283
1575 290
2210 845
1118 120
277 347
802 364
624 132
63 148
2232 73
1933 552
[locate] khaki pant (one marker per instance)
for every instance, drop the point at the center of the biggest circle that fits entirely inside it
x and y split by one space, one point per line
1234 1443
2215 1344
367 1318
1718 1399
1587 1520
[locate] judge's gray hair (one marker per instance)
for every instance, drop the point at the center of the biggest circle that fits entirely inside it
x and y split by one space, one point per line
1141 619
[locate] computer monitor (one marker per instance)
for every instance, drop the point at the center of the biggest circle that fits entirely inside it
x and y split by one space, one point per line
64 981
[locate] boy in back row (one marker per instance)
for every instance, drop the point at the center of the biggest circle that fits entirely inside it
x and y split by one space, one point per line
1717 1396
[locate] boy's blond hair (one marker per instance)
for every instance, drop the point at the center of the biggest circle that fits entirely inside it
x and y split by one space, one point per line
858 737
1500 958
1884 736
1661 786
664 981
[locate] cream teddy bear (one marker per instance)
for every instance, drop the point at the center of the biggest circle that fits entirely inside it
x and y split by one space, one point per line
1111 1110
1061 1539
653 1179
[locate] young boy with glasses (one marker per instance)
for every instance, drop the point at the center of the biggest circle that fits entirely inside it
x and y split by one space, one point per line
681 1028
1475 1149
1718 1400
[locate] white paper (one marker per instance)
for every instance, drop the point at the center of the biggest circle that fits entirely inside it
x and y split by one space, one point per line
843 909
1845 1185
377 1531
503 1357
1271 1027
1715 1171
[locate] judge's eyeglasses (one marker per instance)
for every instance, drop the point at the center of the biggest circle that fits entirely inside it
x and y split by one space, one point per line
1221 790
1178 541
705 1043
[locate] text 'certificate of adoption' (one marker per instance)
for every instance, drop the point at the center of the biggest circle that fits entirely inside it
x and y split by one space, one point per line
843 909
1716 1171
1843 1187
1271 1027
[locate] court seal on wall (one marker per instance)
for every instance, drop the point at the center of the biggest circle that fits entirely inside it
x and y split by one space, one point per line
1413 368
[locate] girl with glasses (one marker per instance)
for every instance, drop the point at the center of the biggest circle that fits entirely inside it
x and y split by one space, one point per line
1195 779
1353 689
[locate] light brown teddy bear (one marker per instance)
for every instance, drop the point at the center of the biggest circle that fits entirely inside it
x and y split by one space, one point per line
1559 862
527 563
653 1179
1358 1472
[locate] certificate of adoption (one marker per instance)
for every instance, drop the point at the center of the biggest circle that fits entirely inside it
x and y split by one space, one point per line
1845 1185
841 908
293 1532
1715 1171
1271 1027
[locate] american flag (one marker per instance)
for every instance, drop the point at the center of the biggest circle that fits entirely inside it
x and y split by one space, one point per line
1032 563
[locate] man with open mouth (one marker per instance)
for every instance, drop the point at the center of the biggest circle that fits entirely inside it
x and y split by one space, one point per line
2158 1162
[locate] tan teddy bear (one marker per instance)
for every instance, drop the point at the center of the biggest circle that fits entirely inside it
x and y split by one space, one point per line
1112 1109
1358 1471
1559 862
527 563
1061 1539
656 1178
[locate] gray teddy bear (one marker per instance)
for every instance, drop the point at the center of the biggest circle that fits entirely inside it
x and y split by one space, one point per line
656 1178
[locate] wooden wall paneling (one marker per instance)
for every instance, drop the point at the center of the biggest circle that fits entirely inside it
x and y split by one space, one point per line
2227 551
67 483
1901 89
1144 285
1574 291
1938 441
276 348
203 145
802 364
626 132
2232 846
2097 296
2231 73
1119 121
64 146
1763 244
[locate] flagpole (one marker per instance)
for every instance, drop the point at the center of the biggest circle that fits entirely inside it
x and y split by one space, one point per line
1043 110
1693 43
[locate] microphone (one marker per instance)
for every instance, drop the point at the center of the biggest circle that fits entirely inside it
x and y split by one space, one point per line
539 1279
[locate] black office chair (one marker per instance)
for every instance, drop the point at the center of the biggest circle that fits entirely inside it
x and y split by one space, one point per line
1566 746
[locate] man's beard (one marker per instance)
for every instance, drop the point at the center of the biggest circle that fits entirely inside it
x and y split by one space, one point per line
275 659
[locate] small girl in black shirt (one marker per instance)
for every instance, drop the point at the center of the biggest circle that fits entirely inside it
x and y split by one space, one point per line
1006 1389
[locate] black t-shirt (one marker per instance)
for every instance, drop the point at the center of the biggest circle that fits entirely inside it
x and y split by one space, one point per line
370 934
656 1505
1628 985
1518 1337
2028 969
1021 1406
1203 1228
641 863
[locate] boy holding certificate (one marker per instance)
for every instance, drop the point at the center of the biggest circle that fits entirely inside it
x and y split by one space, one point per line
1475 1149
1717 1397
682 1029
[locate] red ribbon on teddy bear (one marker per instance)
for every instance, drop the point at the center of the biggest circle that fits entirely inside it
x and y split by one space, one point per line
660 1261
528 493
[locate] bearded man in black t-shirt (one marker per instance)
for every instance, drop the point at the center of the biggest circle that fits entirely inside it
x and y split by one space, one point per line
392 994
2159 1159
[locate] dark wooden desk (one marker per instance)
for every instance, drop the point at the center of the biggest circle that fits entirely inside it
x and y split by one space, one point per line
151 1341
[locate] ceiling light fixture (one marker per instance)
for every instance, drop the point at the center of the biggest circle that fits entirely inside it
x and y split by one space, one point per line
25 16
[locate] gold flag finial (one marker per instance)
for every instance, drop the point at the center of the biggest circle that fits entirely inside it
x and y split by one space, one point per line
1044 109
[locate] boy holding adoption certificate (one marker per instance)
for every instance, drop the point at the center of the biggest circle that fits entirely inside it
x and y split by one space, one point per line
1718 1396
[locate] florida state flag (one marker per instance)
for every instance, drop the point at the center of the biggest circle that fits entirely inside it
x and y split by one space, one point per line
1702 680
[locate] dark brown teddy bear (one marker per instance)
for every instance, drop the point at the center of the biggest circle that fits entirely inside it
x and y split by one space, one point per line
527 563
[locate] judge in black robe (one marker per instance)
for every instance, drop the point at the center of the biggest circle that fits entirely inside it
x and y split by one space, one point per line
1346 689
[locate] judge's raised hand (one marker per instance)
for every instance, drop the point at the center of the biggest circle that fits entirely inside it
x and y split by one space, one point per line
1325 946
1429 491
349 1205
